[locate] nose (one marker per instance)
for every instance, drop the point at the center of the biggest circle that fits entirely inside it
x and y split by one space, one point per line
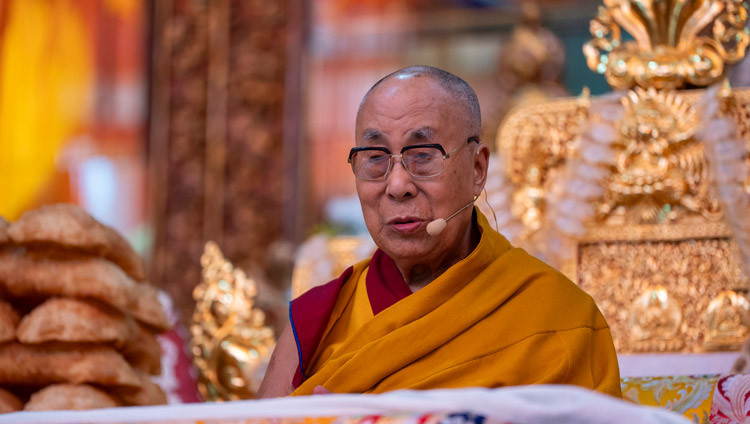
400 185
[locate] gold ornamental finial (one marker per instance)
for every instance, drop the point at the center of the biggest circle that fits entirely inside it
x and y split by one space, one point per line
676 42
231 343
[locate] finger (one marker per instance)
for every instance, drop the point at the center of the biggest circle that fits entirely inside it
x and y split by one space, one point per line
320 390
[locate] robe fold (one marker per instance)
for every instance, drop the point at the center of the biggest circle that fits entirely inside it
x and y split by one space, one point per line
498 317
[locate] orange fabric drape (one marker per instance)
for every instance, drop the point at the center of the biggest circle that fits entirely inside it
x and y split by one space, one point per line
46 77
499 317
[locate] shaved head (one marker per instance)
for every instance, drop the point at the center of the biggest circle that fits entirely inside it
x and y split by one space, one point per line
456 87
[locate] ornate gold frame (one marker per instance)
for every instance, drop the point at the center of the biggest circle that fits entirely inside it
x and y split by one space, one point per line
549 131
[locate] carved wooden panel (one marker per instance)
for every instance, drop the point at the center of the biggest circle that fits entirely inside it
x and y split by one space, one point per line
216 141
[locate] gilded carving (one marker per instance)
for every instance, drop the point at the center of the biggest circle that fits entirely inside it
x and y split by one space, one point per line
659 173
727 321
231 343
654 321
539 143
657 193
692 272
675 42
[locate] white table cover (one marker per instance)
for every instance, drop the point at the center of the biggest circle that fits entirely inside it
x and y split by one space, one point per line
524 404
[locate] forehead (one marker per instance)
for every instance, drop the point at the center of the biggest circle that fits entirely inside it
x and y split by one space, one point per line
408 104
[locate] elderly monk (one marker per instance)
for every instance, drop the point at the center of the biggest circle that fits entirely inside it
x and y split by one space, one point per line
438 305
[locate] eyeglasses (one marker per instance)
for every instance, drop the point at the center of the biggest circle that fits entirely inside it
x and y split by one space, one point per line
420 160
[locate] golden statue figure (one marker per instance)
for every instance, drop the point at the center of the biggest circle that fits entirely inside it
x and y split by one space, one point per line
655 320
659 172
727 321
231 344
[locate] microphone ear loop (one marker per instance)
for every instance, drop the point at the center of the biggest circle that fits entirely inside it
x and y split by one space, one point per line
487 201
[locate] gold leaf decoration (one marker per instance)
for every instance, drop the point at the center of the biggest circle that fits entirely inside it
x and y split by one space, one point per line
675 42
230 342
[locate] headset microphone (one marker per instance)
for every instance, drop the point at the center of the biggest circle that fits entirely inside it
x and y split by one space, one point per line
437 226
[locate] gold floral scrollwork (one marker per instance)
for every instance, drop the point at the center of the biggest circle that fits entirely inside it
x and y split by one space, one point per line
726 321
231 344
670 47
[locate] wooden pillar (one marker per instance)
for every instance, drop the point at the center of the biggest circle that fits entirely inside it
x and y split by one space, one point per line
221 166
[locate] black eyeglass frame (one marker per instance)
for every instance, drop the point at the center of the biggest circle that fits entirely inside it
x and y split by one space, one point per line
387 151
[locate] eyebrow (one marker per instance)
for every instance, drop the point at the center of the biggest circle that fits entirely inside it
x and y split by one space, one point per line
423 133
371 135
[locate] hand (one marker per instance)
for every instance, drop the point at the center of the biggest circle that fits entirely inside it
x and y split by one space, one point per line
320 390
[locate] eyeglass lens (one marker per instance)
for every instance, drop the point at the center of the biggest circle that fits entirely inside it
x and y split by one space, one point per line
419 162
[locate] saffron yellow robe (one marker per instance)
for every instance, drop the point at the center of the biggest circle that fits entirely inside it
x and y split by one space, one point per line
499 317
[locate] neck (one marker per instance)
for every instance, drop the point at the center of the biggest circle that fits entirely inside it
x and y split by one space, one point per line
419 274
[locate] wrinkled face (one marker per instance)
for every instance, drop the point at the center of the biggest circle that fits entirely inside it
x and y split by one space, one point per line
407 111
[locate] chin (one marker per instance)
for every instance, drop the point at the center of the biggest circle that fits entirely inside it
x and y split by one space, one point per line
406 249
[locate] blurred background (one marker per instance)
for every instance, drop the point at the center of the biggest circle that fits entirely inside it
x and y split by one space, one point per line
182 121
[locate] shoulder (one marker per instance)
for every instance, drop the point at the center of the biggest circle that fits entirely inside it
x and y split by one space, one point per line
326 290
331 289
553 296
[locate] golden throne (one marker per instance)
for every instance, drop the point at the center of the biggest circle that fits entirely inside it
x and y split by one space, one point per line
643 196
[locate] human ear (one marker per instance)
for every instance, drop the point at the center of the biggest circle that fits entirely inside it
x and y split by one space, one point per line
481 162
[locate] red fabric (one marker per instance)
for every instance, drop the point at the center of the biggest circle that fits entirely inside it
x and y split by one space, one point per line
177 382
385 284
310 312
177 377
731 400
309 315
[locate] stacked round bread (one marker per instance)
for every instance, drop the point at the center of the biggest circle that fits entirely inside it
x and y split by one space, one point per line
78 321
